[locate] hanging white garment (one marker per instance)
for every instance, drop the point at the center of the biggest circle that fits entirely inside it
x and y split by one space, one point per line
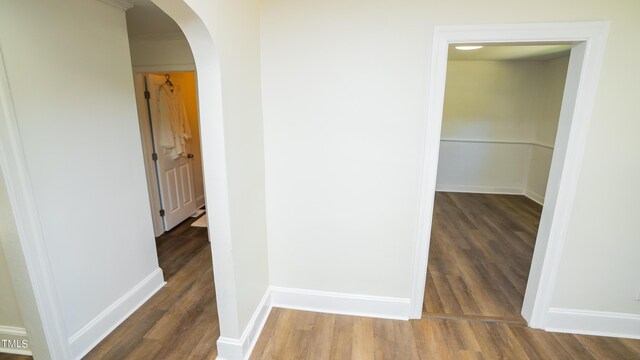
174 124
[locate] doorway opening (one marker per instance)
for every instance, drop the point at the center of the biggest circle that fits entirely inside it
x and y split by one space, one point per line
173 159
501 111
587 42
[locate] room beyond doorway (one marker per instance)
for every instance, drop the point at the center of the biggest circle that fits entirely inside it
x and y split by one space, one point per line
501 113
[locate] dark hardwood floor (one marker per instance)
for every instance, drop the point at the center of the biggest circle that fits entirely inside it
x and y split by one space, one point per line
480 255
294 335
4 356
181 320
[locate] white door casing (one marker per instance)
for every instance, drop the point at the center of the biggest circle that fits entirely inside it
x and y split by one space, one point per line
583 73
175 176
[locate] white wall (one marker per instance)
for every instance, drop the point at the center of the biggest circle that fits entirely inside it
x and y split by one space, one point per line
483 167
537 174
343 132
490 100
344 91
69 72
547 110
488 125
499 124
160 50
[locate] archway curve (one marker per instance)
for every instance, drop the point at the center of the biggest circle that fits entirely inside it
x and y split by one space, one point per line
214 166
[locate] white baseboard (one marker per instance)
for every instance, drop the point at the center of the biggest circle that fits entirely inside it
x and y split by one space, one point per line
340 303
240 349
534 196
492 190
599 323
13 340
97 329
480 189
308 300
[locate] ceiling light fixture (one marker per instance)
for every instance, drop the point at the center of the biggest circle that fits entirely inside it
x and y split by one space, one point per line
469 47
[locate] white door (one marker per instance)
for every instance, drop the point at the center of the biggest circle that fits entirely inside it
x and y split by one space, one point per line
175 176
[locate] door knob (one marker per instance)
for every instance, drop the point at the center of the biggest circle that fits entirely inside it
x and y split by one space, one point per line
190 156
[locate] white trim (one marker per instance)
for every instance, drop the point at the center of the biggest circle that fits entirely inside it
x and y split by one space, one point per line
15 351
598 323
147 152
97 329
488 141
308 300
491 190
240 349
13 333
479 189
340 303
582 82
534 196
435 103
28 259
123 5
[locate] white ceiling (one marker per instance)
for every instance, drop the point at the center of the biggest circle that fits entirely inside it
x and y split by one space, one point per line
145 18
510 52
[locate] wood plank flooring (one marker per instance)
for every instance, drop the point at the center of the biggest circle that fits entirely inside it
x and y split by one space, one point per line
181 320
480 255
296 335
479 262
4 356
